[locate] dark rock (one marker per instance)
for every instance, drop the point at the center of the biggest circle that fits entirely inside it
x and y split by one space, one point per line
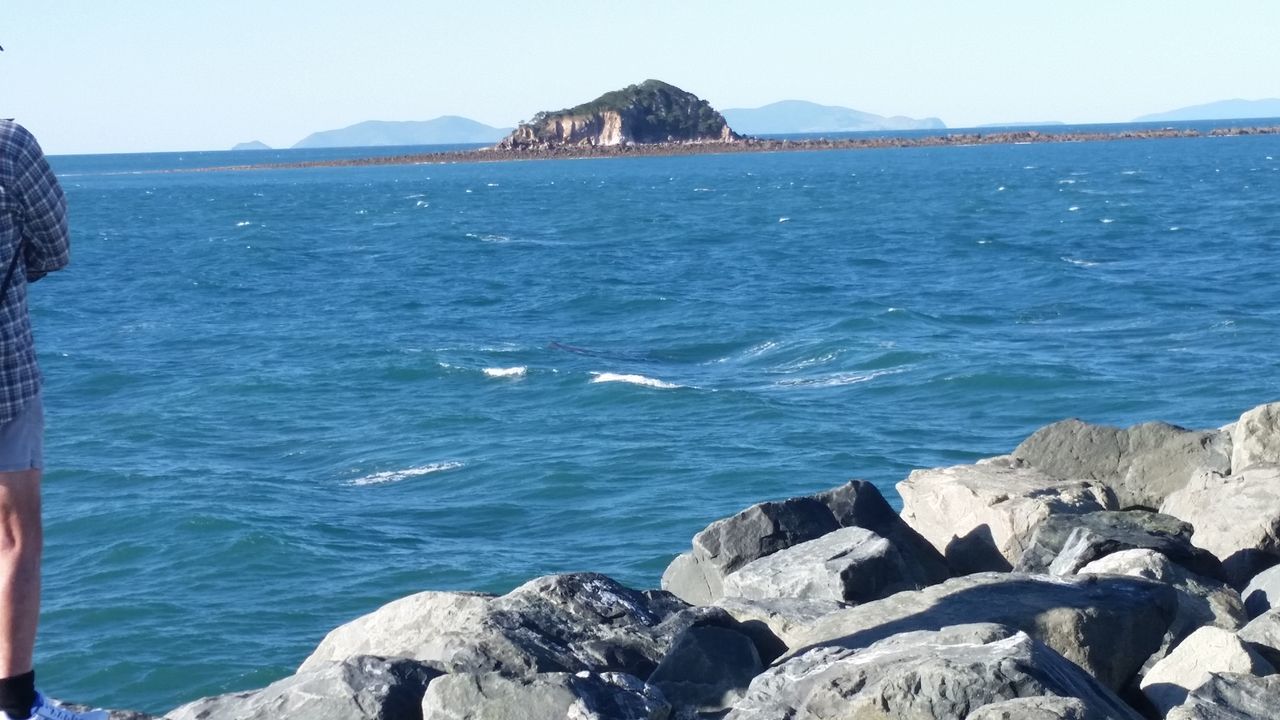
1062 544
726 545
1142 464
361 688
859 503
1232 696
850 565
1108 625
947 673
708 669
546 696
1263 592
112 714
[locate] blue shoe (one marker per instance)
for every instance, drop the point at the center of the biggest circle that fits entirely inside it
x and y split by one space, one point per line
45 710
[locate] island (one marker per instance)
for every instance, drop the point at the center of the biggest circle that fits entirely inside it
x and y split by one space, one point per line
652 112
251 145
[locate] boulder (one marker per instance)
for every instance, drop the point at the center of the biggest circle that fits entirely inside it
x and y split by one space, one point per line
111 714
428 626
1201 601
728 544
1232 696
980 516
359 688
1263 635
1255 438
776 624
859 503
707 670
1237 518
559 623
943 674
1040 707
1063 544
546 696
849 565
1107 625
1263 592
1142 464
1207 650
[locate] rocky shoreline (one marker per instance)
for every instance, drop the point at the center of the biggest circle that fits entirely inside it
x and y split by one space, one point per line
1094 573
748 145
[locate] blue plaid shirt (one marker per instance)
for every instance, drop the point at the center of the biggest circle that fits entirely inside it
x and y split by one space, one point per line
33 220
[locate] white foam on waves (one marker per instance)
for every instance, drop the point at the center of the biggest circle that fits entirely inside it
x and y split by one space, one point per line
838 379
392 476
1079 263
510 372
604 377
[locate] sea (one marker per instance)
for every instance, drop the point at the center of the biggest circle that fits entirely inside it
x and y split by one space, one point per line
278 399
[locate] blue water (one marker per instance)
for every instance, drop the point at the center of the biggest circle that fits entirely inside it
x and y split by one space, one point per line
279 399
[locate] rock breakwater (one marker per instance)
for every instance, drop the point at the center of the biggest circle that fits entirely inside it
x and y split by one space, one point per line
1094 573
546 151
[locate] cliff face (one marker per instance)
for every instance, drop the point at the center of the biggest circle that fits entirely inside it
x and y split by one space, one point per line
648 113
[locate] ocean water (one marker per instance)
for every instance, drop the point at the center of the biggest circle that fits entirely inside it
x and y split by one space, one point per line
279 399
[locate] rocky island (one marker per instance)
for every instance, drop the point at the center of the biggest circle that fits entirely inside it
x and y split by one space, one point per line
652 112
1093 573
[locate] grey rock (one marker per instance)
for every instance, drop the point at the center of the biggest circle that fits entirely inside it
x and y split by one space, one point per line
1201 601
1237 518
111 714
728 544
1207 650
428 626
1232 696
1263 635
360 688
1142 464
1108 625
776 624
559 623
1040 707
1263 592
708 669
939 674
1255 438
849 565
546 696
1063 544
980 516
859 503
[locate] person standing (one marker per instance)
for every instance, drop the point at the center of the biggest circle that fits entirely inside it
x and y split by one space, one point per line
34 241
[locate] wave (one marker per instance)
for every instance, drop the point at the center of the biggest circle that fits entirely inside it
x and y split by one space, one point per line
391 476
511 372
604 377
1079 263
837 380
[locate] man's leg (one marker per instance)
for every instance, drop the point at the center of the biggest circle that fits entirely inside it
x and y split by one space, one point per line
21 542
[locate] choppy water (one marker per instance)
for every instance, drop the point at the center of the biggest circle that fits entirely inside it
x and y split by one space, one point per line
277 400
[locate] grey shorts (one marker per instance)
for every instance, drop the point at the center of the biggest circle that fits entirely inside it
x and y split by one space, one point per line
22 439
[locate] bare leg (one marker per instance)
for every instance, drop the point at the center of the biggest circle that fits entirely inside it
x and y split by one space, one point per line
21 544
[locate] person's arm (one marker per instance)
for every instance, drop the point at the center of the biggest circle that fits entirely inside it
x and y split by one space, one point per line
46 238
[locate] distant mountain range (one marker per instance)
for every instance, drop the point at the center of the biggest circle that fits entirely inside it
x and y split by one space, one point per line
447 130
1222 110
798 116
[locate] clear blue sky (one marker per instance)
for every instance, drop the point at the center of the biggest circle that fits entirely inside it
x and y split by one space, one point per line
153 75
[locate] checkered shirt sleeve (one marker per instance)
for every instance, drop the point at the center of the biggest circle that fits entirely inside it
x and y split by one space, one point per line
33 221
